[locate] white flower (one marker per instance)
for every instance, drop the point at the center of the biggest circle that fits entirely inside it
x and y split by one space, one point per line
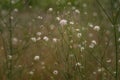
39 38
50 9
77 29
90 25
96 28
73 8
15 10
94 73
77 11
55 40
58 18
31 72
33 39
79 35
78 64
14 40
108 61
45 38
93 43
55 72
71 22
11 17
36 58
100 69
84 5
10 57
63 22
38 33
39 17
69 3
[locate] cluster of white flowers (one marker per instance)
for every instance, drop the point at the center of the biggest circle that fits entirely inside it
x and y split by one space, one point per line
109 60
79 35
58 18
39 17
15 10
69 3
100 69
77 11
33 39
55 72
78 64
10 57
71 22
55 40
84 5
36 58
63 22
31 72
96 28
45 38
50 9
93 43
14 40
90 25
38 33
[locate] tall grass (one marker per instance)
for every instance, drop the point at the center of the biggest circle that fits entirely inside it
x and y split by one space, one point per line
113 18
65 42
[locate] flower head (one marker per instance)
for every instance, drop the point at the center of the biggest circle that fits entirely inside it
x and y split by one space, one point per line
63 22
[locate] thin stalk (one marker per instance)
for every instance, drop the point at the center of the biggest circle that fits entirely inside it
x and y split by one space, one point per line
116 52
9 75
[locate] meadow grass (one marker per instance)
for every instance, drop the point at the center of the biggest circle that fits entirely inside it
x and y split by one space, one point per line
60 42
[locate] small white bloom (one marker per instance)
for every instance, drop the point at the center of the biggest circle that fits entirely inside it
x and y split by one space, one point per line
58 18
39 38
84 5
15 10
96 28
77 11
14 40
119 61
31 72
69 3
50 9
90 25
78 64
55 72
38 33
10 57
11 17
94 42
79 35
73 8
63 22
91 46
39 17
45 38
71 22
36 58
33 39
77 29
55 40
94 73
101 69
108 61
